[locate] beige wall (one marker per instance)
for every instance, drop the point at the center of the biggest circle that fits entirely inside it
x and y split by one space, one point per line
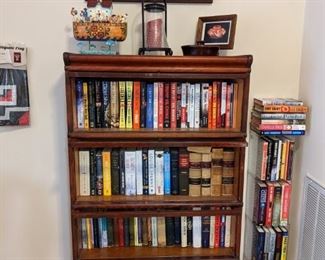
311 150
34 190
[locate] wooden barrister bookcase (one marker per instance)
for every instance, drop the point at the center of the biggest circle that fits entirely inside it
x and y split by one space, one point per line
235 70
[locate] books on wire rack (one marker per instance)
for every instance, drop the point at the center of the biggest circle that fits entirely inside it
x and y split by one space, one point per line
279 116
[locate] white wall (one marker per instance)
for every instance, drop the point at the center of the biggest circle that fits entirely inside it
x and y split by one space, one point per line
310 159
34 190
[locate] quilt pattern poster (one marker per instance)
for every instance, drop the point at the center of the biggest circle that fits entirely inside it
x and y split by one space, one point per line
14 95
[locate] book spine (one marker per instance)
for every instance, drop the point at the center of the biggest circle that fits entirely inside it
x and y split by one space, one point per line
228 105
177 225
91 104
210 106
197 232
145 172
269 204
144 231
228 172
204 105
173 105
139 172
122 90
170 231
85 104
135 231
84 238
80 105
206 231
166 106
159 163
160 105
110 232
126 229
154 234
190 105
140 234
122 171
99 104
212 231
129 94
120 223
276 205
150 102
183 172
167 173
206 175
143 108
155 104
107 181
184 111
151 172
197 106
217 231
93 172
84 173
161 231
99 173
285 203
283 116
95 232
216 171
131 231
102 223
115 170
281 108
106 101
115 116
130 173
183 231
189 231
179 104
223 107
90 234
136 104
174 157
281 127
227 231
284 246
195 174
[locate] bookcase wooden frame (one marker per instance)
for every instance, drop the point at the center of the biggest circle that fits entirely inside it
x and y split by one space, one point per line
151 68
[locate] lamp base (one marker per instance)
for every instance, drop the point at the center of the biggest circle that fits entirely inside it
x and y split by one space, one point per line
168 51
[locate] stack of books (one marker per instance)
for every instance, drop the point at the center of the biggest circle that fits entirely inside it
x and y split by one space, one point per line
278 116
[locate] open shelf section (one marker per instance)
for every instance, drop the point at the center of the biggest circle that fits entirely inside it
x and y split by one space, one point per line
156 252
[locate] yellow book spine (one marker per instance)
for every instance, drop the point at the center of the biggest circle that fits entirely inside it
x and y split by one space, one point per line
129 91
122 103
283 159
85 98
284 248
107 182
90 238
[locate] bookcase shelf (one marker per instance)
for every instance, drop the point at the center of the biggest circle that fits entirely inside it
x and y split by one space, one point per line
227 79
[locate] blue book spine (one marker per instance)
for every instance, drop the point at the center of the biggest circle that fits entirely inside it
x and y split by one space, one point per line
149 119
222 231
167 188
262 206
260 244
283 132
99 173
80 106
106 102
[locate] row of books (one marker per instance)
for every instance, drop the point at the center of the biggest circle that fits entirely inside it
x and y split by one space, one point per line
279 116
135 104
274 157
185 231
193 171
270 243
272 203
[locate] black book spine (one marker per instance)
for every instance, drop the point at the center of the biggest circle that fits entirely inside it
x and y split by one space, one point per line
177 225
106 103
96 233
174 171
290 160
110 232
166 105
126 232
206 231
145 173
269 157
115 171
140 231
274 159
93 172
99 104
92 104
122 172
178 104
143 107
189 231
170 231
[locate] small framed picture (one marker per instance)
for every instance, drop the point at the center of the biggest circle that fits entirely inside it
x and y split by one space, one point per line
217 30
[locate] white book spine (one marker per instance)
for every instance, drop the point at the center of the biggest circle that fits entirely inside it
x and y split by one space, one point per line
272 242
197 107
212 230
197 231
84 233
190 111
84 181
184 103
138 168
223 98
130 182
159 172
184 231
227 231
267 240
155 104
205 101
154 233
151 172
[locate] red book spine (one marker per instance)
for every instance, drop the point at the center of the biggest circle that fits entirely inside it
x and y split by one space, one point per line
160 105
264 161
217 232
210 107
136 104
167 105
269 204
214 104
219 118
120 231
173 102
228 101
285 203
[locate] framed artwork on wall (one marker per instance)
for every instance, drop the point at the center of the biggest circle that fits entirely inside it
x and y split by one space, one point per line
217 30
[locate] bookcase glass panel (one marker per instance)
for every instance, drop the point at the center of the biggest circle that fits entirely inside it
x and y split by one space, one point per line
157 104
141 171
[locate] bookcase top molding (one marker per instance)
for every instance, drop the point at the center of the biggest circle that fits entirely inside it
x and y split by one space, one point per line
158 64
